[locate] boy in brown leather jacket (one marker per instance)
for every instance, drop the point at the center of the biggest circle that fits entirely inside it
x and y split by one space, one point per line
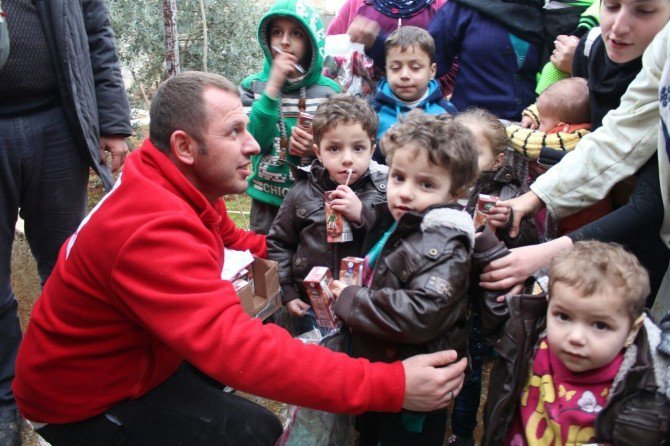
580 366
344 130
420 248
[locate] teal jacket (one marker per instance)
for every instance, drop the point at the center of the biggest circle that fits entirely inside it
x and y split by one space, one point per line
271 178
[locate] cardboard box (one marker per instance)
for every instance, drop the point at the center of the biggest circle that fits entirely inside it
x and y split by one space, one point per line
262 297
317 285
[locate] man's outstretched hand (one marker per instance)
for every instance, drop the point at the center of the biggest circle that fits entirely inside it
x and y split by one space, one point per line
432 381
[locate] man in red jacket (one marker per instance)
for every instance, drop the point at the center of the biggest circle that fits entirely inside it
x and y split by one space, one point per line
135 333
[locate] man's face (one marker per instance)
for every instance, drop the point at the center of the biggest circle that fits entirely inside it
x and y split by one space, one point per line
222 163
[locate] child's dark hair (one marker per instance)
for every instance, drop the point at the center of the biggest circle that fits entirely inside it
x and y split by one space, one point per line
342 108
447 143
489 125
593 267
410 36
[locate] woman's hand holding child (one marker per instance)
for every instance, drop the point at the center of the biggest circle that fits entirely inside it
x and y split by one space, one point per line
564 52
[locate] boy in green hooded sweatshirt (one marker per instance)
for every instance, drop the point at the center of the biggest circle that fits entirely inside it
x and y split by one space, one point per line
292 37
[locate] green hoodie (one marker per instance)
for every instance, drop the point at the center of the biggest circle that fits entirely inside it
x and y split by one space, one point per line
272 178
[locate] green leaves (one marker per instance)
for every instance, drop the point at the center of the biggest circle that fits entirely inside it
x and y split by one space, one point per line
233 49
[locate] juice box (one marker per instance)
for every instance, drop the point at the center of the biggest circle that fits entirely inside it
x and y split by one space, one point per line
317 285
305 121
483 208
338 229
351 270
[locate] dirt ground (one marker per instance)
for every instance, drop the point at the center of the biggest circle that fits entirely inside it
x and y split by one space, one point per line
26 288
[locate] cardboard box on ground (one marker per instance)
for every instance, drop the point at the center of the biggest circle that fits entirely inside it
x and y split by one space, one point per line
262 297
256 282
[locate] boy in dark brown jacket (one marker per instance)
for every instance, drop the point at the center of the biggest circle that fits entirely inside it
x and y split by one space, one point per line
344 130
420 248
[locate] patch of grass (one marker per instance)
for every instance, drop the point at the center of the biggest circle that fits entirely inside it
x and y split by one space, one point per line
238 209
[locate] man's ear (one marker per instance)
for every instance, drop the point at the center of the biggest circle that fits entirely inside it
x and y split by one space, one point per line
634 329
183 147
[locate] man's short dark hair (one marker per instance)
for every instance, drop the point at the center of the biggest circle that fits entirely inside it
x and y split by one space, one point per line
179 105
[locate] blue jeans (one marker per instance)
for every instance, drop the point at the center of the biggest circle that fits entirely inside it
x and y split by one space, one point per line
189 408
44 173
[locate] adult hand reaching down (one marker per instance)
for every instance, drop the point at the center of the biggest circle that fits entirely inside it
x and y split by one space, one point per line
432 381
117 146
525 205
513 269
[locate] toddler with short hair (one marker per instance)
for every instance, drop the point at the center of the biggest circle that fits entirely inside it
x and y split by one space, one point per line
419 248
558 120
344 129
579 366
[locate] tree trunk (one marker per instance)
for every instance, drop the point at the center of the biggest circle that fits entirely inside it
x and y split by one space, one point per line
171 38
147 102
205 43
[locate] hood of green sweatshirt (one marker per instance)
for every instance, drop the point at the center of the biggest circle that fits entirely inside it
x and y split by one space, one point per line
308 17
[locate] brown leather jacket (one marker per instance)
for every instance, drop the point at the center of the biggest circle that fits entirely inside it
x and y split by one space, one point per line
417 302
507 182
638 410
297 238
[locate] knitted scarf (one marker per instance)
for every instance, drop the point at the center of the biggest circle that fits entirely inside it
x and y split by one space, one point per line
400 9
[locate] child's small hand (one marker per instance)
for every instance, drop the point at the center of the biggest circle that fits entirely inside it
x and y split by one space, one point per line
347 202
297 308
499 216
336 287
528 123
282 66
301 142
363 30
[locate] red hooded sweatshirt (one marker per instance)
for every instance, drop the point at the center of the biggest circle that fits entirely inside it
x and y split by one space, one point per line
137 290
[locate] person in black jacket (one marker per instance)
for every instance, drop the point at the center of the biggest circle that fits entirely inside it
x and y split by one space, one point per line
419 247
62 104
344 129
